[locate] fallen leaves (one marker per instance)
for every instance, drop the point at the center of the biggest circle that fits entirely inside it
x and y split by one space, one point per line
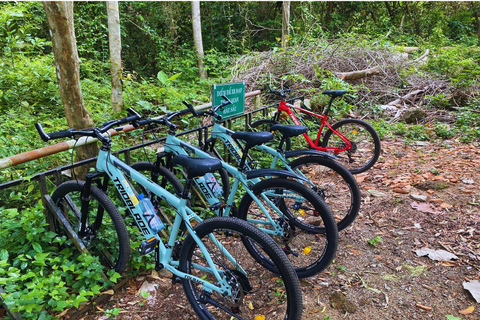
474 288
437 255
469 310
422 207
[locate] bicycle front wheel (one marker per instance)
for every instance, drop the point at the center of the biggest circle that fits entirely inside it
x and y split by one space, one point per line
255 291
105 235
299 221
334 183
365 142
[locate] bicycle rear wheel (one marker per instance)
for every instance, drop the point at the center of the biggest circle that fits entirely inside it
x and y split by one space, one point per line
105 235
255 290
305 228
365 141
334 183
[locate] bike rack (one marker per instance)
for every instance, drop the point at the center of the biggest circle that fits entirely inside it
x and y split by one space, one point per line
53 211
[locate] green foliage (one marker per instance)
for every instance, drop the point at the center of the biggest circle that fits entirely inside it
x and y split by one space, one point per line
37 278
375 241
460 64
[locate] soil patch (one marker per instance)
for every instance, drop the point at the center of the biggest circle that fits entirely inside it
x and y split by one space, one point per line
377 274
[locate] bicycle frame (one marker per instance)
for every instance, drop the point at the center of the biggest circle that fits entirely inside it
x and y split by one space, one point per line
176 146
287 108
115 169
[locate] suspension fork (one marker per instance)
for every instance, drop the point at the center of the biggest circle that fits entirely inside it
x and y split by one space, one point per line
85 197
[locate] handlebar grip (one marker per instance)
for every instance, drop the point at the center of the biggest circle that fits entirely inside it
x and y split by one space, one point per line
184 111
133 115
190 108
54 135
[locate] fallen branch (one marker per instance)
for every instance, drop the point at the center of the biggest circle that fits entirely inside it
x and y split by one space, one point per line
398 102
359 74
422 57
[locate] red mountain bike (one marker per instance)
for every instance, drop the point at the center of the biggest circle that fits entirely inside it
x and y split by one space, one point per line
354 142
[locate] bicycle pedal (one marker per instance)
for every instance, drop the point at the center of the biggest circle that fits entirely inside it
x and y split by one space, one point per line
176 279
148 246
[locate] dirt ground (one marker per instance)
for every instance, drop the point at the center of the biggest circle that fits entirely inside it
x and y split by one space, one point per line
384 279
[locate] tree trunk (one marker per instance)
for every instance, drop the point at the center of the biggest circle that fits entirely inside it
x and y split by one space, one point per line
197 38
328 13
477 21
415 25
60 19
390 12
285 23
115 45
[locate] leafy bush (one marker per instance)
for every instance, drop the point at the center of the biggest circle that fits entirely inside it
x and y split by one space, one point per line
38 279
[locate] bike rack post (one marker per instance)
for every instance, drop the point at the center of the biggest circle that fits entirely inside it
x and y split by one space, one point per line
12 314
55 210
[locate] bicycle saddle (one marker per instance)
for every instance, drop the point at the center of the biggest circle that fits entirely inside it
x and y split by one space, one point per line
197 167
253 138
334 93
289 130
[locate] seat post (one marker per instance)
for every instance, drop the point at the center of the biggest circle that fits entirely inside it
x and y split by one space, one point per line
329 105
186 189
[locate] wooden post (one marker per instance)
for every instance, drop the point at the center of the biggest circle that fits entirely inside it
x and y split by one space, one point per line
14 315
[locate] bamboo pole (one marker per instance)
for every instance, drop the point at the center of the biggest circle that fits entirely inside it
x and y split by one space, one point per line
70 144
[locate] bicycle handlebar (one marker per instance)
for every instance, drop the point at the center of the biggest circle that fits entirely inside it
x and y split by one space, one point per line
212 112
281 93
94 132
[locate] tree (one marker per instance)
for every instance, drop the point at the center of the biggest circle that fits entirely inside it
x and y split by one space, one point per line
64 46
285 23
115 45
197 37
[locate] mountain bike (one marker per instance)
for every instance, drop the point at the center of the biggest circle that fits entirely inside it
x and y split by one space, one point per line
272 204
354 142
216 259
333 182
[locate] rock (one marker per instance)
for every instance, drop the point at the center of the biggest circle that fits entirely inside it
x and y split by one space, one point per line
418 197
339 301
413 115
151 288
376 193
431 185
400 154
421 143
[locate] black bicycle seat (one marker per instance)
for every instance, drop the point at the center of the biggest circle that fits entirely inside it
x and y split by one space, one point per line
289 130
197 167
335 93
253 138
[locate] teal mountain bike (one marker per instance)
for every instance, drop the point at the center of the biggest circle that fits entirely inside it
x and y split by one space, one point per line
217 260
270 201
328 178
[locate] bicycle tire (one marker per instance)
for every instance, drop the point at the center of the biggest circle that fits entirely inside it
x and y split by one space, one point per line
110 245
310 244
265 125
367 139
335 184
251 298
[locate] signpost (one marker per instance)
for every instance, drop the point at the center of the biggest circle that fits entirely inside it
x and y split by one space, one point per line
233 91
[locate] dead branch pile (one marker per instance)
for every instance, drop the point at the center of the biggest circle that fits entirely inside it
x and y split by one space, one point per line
377 72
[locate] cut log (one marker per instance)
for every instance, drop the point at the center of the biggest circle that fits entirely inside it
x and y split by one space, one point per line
408 49
359 74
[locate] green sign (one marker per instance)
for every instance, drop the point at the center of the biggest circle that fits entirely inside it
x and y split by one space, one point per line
235 92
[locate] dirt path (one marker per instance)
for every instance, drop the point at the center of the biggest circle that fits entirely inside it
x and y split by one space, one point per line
387 280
